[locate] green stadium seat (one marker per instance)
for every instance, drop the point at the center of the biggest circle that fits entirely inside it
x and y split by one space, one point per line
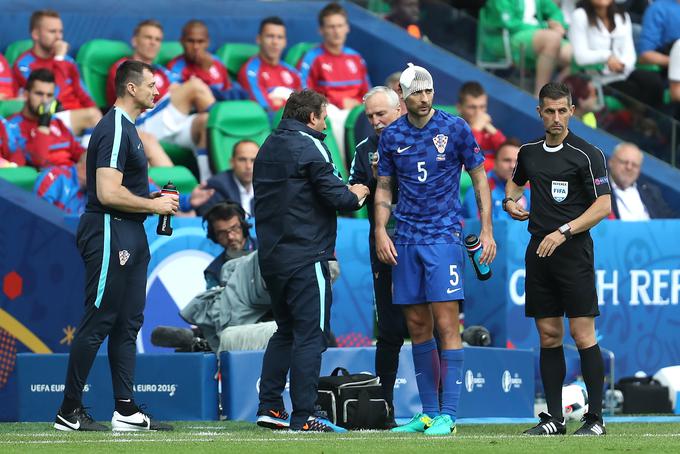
330 143
181 156
24 177
231 121
350 135
168 51
181 177
10 106
17 48
234 55
379 6
296 52
95 58
447 108
493 45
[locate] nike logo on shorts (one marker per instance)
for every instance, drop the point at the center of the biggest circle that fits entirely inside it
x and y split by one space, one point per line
452 290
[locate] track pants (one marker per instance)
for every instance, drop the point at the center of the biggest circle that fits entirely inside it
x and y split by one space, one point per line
116 255
301 303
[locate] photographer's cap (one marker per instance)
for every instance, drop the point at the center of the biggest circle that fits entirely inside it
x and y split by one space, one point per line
413 79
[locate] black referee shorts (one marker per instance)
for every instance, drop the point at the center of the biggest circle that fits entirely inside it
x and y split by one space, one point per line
563 283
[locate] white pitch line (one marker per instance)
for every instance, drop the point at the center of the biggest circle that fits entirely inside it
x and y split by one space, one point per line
311 438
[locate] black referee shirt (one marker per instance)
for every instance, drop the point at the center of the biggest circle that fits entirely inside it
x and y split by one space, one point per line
115 143
565 180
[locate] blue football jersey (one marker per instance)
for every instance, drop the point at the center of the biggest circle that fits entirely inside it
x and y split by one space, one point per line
427 164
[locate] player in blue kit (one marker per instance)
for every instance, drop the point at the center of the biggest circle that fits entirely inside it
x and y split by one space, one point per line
425 151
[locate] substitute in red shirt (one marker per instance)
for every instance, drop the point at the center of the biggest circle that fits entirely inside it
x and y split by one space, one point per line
332 68
8 88
163 77
35 145
49 51
472 105
196 61
268 80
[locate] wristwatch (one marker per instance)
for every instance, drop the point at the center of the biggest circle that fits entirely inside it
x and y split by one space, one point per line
505 201
566 231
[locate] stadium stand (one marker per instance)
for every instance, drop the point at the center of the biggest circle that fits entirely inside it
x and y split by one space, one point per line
17 48
234 55
22 176
95 58
169 50
231 121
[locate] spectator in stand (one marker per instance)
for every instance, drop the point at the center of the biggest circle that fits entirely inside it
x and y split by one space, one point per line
406 14
171 120
49 52
39 138
472 105
537 29
602 34
267 79
64 187
660 29
584 97
8 88
234 185
336 71
228 227
504 165
674 74
633 201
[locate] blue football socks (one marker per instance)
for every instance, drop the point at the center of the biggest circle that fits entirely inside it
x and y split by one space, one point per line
427 367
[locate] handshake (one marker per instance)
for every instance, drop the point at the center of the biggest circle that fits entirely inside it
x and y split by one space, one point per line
361 191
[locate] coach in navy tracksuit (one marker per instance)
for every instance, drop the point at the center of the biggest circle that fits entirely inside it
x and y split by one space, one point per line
297 193
113 244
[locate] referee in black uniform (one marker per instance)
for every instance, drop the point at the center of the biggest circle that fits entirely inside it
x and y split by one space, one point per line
382 108
570 193
298 192
112 242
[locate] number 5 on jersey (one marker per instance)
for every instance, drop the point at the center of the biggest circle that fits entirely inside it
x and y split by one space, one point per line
422 171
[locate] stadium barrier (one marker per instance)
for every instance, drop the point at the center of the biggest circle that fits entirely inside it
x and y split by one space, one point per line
175 387
496 382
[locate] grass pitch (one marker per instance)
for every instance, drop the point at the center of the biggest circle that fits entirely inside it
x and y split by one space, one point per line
238 437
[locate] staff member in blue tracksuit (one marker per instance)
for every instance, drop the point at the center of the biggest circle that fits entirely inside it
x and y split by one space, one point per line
297 193
113 244
382 108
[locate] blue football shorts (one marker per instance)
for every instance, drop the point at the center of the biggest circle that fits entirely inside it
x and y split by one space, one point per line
428 273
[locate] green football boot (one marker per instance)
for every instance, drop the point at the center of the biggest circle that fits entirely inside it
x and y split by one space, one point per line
418 423
441 425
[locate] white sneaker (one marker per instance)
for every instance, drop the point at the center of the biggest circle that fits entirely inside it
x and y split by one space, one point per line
135 422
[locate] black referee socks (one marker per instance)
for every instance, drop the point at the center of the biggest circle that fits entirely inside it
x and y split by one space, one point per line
553 370
592 369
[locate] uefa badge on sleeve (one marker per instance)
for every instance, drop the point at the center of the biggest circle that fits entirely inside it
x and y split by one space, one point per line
440 141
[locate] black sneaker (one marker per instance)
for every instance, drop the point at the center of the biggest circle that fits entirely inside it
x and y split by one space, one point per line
548 426
141 420
273 419
315 424
592 425
78 419
390 423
